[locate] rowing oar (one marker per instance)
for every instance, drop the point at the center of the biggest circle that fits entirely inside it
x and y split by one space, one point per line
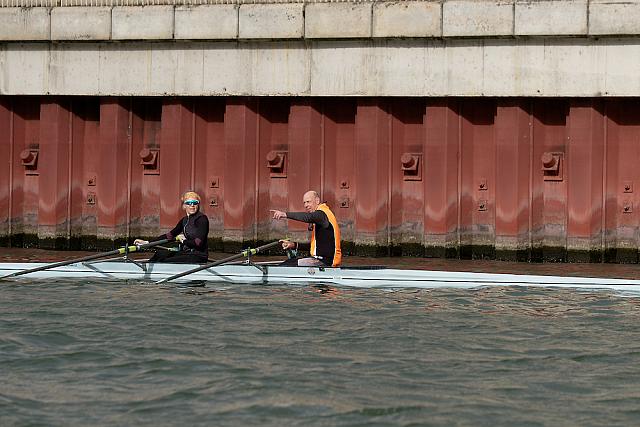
121 251
244 253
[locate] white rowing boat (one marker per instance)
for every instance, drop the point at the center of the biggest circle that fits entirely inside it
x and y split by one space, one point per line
361 277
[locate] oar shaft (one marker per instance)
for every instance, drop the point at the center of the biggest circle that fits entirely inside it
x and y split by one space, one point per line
244 253
120 251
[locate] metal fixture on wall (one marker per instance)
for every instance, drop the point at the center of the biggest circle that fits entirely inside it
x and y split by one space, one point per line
277 164
149 159
552 166
411 166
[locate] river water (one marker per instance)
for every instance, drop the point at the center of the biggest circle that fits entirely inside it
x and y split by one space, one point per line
77 353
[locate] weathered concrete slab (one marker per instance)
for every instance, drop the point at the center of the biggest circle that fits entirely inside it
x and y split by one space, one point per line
271 21
212 22
551 18
135 58
29 61
609 17
464 61
342 67
280 69
620 66
572 67
338 20
187 70
81 23
74 69
407 19
227 69
142 23
24 24
477 18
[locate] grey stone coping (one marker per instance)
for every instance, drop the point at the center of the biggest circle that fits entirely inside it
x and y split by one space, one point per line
286 20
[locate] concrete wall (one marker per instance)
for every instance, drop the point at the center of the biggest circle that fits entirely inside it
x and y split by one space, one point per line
405 48
558 67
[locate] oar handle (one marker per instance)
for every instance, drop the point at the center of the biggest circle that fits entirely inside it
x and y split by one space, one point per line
249 251
243 254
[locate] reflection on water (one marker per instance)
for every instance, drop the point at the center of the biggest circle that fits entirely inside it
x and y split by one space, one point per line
131 353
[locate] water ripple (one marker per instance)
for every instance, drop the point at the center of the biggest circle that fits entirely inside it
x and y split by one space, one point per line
79 353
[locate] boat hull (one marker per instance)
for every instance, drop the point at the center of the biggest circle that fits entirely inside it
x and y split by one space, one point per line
351 277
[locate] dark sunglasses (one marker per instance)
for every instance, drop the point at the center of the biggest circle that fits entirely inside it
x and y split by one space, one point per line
191 202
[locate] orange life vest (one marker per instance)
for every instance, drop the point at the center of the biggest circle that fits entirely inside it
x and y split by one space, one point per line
337 254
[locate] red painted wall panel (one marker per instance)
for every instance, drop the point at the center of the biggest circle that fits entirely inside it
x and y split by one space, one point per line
6 146
622 175
441 183
240 169
513 178
304 165
585 152
113 171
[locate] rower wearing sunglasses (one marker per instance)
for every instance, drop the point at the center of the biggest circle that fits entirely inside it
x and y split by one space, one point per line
191 231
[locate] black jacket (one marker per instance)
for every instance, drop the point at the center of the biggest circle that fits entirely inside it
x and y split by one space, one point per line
196 230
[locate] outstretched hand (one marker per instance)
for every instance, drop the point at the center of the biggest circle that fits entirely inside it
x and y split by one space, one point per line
288 244
278 214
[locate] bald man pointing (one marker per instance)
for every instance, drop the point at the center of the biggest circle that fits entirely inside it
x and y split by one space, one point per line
325 232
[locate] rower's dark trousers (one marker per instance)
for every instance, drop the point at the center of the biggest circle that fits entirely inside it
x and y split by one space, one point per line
177 257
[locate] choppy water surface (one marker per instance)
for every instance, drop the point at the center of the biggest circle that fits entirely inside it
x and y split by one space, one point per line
114 353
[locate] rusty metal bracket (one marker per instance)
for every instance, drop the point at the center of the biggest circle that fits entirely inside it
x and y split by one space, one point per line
552 166
29 160
150 161
277 164
411 166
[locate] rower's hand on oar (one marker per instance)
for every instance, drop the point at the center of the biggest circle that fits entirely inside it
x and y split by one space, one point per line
288 244
139 242
181 238
278 214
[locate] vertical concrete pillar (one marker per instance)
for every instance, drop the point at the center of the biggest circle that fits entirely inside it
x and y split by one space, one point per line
54 168
513 169
241 139
372 159
112 189
585 154
442 149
